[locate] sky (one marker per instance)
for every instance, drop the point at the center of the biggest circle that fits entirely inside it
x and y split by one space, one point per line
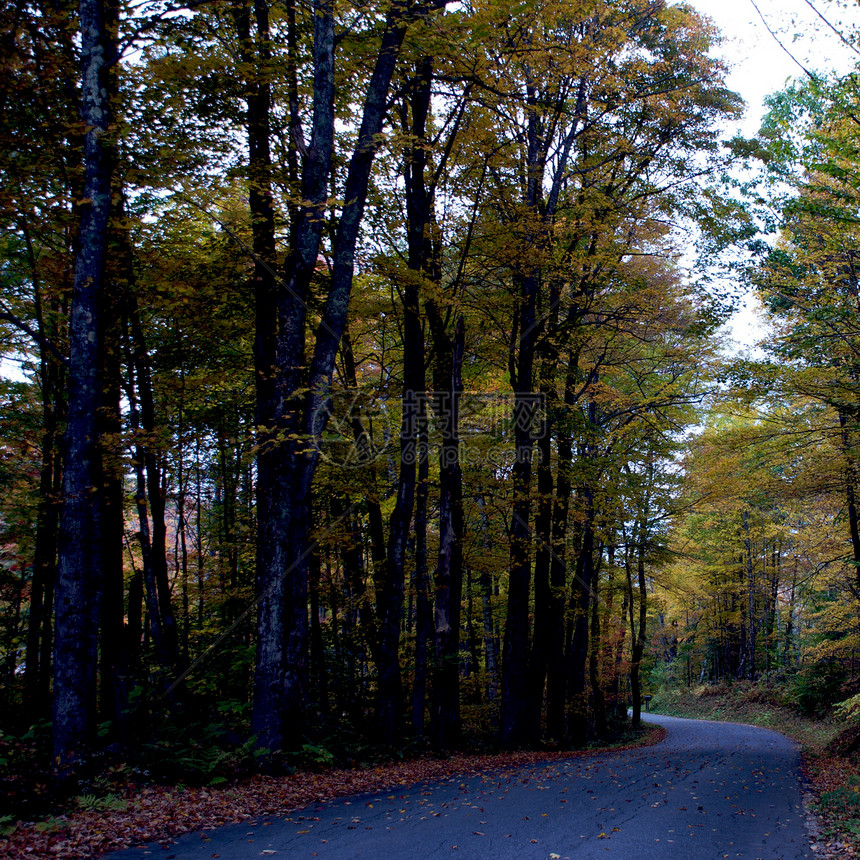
759 67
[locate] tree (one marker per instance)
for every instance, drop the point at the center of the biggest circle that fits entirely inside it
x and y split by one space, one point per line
79 567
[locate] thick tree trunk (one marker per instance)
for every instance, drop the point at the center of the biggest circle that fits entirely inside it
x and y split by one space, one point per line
285 468
448 577
79 567
279 359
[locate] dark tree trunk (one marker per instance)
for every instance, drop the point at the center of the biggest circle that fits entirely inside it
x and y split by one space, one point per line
448 577
851 495
597 696
515 653
423 604
318 663
419 218
152 486
485 583
580 603
79 566
114 683
515 649
539 656
37 672
144 535
557 665
750 589
285 468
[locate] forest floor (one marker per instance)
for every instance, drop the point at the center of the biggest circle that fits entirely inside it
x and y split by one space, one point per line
833 799
131 814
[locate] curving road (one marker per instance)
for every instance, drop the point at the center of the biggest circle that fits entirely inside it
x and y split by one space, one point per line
709 791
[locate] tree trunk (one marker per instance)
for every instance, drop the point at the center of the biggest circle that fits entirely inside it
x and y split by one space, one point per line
750 589
580 604
114 660
515 653
37 672
638 635
541 641
149 456
448 577
851 496
423 606
598 699
285 412
557 667
79 567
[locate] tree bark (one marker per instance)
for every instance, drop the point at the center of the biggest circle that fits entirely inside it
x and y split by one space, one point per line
288 416
448 577
79 567
419 219
515 653
423 605
580 603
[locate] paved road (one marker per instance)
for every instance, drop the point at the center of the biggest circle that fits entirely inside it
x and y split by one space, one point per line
709 791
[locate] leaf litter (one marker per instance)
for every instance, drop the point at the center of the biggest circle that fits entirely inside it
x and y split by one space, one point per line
158 813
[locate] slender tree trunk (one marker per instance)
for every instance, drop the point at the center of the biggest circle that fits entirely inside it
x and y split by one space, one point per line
580 604
423 605
419 219
155 494
485 583
750 589
638 634
318 662
851 495
598 698
144 534
515 654
541 642
557 668
114 682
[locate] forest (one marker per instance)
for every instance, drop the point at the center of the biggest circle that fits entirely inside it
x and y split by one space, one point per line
364 383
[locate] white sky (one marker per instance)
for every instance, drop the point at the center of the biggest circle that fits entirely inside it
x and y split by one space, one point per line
759 67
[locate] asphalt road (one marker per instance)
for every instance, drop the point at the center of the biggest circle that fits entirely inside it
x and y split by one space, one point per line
710 790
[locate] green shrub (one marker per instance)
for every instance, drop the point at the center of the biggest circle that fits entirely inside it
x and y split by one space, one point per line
818 687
